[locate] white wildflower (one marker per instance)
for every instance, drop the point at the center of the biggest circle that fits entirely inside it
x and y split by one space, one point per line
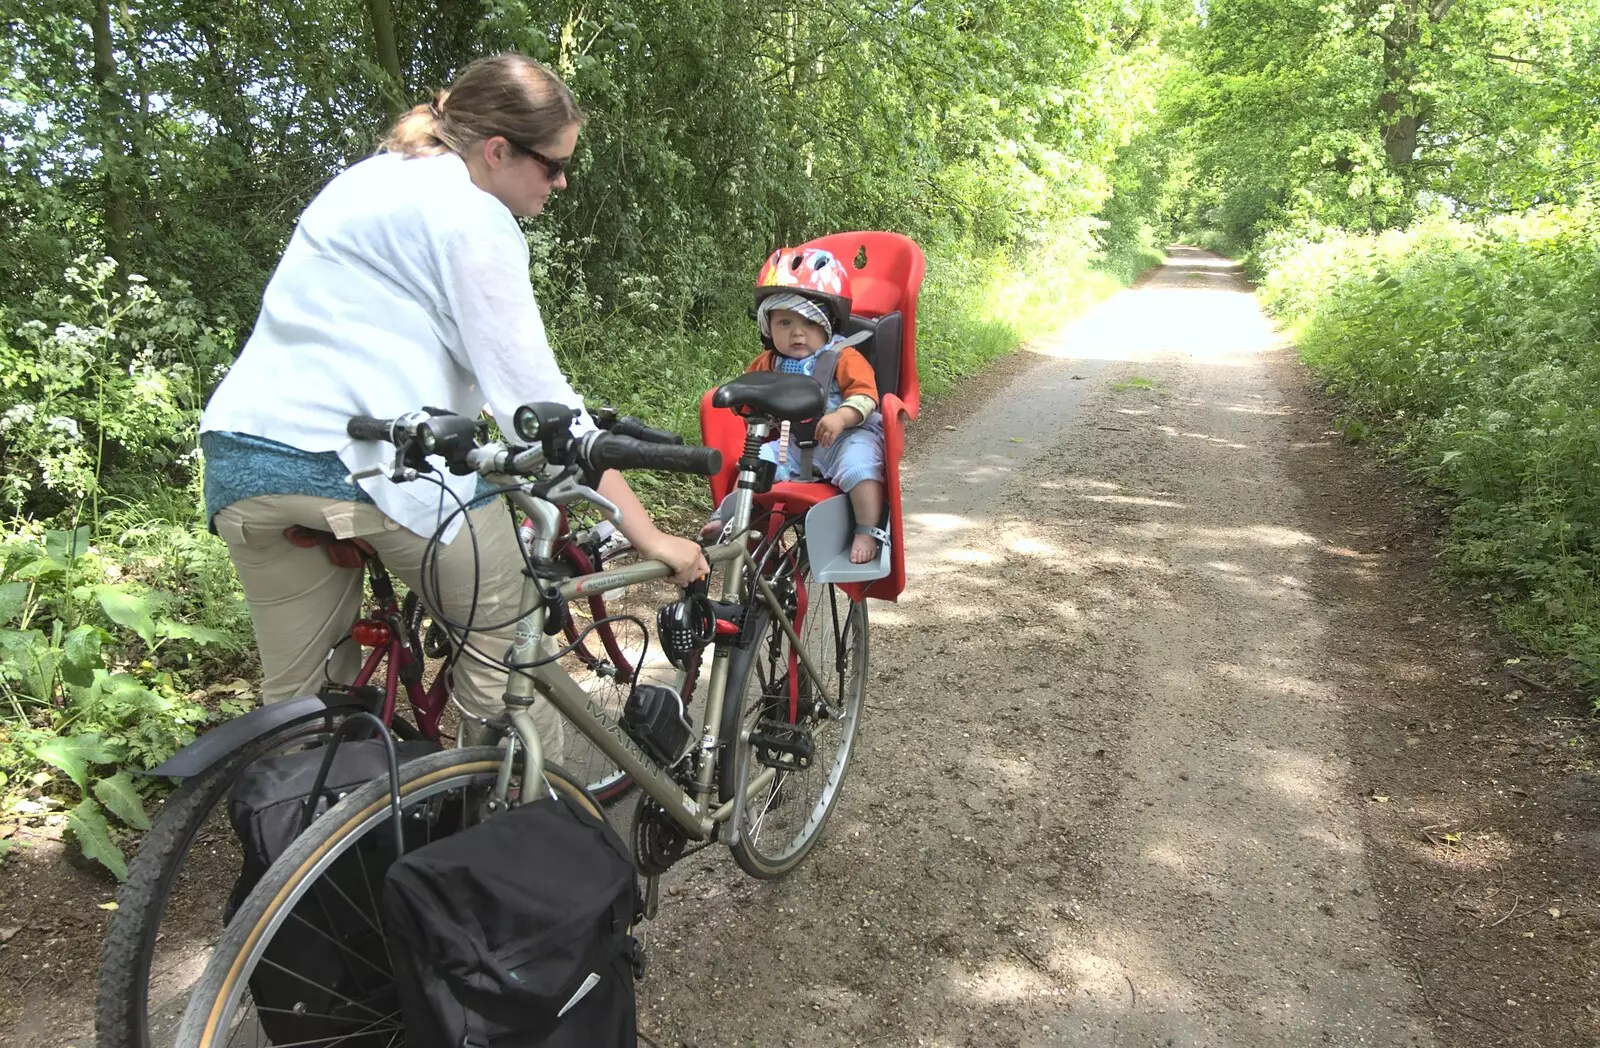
16 417
63 424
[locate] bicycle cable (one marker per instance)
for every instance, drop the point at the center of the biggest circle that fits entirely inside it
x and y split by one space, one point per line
459 632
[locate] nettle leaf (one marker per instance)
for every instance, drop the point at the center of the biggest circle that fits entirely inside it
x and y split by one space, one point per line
13 595
80 655
39 568
13 643
124 689
38 663
198 634
129 610
122 800
73 755
88 825
64 547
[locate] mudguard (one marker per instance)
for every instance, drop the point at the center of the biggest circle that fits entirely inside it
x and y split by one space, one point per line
226 739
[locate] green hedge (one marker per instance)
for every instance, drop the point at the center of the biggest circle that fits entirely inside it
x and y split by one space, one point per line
1475 347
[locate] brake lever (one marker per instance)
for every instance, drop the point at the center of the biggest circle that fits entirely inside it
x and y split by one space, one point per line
366 474
400 473
569 487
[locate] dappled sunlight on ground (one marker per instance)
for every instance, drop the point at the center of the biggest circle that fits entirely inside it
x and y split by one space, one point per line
1219 441
1100 799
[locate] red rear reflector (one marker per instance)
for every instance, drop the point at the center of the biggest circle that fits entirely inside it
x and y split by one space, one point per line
370 634
726 629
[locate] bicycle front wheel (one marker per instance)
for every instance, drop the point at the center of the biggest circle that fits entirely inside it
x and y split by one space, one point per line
344 993
787 740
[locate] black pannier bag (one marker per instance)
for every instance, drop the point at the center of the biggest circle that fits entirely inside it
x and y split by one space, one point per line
325 974
516 933
267 804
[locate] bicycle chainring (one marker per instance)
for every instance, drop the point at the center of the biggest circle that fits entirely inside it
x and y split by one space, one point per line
658 842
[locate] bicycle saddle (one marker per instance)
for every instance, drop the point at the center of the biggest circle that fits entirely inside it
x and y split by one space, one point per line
773 394
344 553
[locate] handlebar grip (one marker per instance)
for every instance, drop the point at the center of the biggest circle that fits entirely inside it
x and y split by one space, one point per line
632 427
365 427
610 451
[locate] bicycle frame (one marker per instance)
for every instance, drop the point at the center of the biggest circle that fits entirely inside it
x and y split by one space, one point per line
386 636
405 665
385 632
552 683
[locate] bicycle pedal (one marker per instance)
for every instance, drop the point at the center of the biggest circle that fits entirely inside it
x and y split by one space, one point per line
786 747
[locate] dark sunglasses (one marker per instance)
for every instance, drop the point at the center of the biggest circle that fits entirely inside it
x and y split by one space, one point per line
553 169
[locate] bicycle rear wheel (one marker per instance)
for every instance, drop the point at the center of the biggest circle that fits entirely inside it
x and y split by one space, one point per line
170 909
439 794
786 746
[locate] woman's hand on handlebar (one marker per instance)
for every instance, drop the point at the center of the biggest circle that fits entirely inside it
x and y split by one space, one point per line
683 556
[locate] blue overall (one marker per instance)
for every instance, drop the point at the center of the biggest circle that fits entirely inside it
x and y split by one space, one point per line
858 453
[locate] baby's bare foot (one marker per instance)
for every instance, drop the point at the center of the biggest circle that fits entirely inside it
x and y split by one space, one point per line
864 549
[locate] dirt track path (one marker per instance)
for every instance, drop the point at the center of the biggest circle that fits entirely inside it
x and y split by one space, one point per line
1107 792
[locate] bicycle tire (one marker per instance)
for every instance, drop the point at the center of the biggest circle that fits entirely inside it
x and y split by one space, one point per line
122 999
206 1020
758 694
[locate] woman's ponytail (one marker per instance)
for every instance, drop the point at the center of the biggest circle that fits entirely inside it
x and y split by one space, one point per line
507 95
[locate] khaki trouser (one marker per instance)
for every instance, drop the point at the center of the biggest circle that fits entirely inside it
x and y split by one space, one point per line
302 604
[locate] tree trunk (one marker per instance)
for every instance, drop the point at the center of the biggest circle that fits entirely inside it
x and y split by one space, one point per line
394 92
113 157
1402 113
1395 106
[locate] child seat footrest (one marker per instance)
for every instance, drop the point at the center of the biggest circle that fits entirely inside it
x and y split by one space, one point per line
830 531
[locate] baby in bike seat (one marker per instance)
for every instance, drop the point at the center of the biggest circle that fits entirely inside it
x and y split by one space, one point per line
802 304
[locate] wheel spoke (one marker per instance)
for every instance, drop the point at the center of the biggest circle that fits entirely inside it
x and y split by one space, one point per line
312 927
291 973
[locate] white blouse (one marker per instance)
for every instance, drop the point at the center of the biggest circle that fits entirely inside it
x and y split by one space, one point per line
404 285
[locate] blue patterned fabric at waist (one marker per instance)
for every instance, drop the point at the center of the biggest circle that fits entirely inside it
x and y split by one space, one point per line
242 466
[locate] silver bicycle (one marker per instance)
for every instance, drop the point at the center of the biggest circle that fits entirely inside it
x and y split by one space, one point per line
759 766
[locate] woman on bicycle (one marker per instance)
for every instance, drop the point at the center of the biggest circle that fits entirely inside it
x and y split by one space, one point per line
405 284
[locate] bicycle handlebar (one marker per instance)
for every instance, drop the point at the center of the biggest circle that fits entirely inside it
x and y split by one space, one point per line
629 445
365 427
436 432
603 451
